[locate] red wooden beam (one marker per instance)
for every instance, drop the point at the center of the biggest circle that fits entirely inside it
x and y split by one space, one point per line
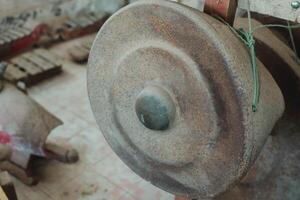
222 8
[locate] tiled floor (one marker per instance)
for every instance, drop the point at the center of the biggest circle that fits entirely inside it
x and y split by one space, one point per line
100 174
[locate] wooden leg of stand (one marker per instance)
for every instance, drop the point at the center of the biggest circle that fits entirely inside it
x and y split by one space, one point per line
7 186
3 195
20 173
59 153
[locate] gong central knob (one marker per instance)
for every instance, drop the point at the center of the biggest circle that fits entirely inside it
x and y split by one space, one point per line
155 108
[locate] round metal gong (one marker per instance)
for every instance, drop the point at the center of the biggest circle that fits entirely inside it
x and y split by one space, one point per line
171 91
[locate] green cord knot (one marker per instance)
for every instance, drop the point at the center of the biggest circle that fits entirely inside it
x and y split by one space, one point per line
251 41
248 39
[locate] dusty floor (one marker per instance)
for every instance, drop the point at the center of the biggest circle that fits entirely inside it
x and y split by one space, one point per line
100 174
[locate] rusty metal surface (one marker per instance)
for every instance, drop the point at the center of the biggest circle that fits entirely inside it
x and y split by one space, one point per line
275 175
210 137
222 8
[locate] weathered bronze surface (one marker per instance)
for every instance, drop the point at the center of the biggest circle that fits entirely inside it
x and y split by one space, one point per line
276 172
214 137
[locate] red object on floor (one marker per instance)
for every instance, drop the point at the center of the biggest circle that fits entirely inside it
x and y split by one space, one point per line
4 138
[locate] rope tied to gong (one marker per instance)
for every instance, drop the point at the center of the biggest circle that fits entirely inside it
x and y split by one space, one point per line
247 37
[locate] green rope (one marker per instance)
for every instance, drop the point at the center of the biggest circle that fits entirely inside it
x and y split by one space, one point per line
293 42
251 44
276 26
248 39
